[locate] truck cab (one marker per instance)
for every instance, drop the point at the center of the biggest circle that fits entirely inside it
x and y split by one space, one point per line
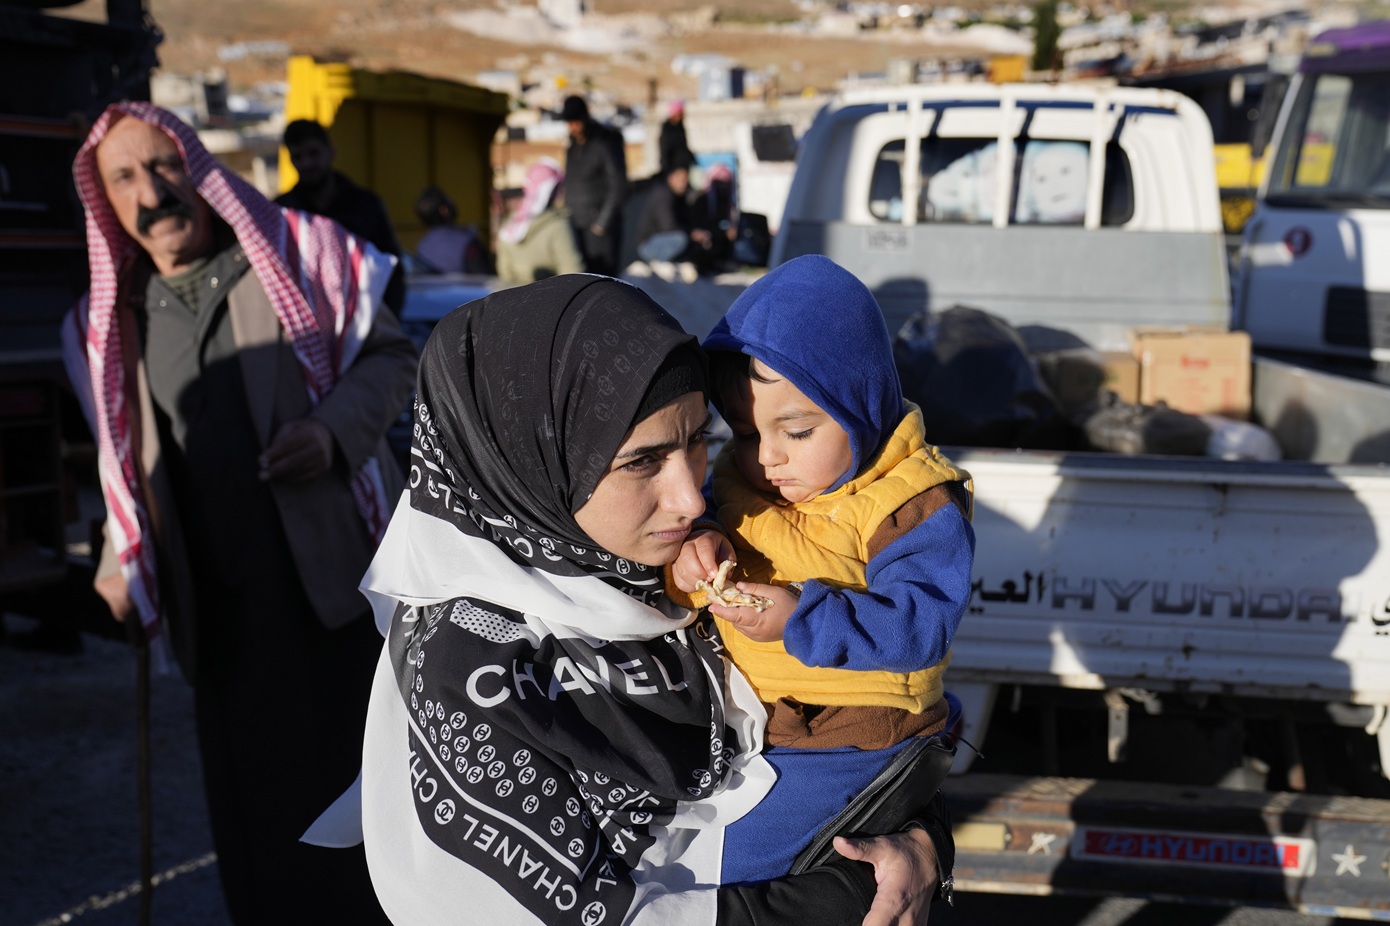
1084 208
1312 277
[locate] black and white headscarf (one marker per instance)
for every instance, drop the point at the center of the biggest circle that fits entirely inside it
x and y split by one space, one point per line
524 398
550 739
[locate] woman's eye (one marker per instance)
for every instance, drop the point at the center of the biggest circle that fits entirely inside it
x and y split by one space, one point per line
800 435
640 465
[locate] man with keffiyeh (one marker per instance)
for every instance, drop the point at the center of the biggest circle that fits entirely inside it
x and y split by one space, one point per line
240 377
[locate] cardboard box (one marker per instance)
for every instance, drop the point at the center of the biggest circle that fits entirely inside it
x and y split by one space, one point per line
1201 371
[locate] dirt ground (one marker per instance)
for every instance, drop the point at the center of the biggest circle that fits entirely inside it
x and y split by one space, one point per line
69 821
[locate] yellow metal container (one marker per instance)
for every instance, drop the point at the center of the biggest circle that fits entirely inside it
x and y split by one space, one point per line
1007 69
396 133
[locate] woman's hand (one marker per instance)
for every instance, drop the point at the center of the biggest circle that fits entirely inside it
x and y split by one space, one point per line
905 869
699 559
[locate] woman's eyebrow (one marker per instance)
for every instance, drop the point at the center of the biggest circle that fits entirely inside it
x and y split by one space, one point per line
659 448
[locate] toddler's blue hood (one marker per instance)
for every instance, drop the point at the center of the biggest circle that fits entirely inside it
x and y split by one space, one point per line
815 323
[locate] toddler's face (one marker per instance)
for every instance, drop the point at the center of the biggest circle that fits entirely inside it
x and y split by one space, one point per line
783 442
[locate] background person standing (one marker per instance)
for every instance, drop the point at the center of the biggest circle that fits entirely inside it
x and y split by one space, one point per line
672 145
239 377
324 191
595 186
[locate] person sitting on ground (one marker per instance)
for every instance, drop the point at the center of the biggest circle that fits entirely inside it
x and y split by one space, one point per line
666 232
538 241
550 738
445 246
716 211
325 191
854 529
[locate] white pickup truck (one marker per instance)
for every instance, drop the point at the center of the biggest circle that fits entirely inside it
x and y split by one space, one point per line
1245 606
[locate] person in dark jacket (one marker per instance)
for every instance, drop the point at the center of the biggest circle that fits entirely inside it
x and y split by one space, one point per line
324 191
595 186
672 145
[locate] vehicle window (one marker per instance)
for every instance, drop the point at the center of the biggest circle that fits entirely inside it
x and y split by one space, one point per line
775 142
959 182
886 184
1117 188
1338 142
1052 179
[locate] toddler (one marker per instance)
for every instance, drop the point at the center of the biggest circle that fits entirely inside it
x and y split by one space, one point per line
857 531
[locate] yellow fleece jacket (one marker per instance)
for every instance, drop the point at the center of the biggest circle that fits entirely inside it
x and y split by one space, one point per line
826 539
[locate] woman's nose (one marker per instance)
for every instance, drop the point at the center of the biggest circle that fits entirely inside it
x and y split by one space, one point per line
684 496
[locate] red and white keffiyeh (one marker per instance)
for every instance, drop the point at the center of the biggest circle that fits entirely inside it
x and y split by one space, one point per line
324 283
543 178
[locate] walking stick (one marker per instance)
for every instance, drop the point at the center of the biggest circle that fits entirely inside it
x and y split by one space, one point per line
135 629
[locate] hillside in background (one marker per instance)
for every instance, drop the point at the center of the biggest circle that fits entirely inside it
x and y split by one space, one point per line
623 46
623 50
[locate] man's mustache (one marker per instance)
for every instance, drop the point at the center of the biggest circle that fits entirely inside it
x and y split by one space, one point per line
169 207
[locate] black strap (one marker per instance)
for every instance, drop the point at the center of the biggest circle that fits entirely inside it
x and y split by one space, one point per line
900 794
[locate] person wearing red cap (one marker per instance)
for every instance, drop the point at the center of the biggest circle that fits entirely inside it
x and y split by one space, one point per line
674 149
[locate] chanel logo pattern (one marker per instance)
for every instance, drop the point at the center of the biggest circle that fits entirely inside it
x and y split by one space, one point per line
487 624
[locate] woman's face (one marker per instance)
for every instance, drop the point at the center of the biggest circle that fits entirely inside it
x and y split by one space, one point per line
644 505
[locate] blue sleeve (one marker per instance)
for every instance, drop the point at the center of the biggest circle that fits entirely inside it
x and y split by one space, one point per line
919 586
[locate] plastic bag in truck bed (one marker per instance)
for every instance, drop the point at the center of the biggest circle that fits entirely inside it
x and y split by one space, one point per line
976 383
1122 427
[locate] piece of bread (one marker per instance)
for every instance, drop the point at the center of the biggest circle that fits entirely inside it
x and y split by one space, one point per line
728 594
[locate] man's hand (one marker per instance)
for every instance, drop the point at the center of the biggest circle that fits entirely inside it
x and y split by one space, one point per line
300 450
699 559
597 229
905 869
766 625
114 590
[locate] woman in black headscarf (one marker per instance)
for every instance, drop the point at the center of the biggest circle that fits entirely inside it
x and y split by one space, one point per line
550 739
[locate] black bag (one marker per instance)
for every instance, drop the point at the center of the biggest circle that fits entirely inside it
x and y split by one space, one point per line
976 383
901 792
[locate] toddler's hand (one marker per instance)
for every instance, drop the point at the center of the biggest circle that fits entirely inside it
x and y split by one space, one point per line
766 625
700 557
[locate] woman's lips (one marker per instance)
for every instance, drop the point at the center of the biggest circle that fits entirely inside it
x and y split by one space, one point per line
673 535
